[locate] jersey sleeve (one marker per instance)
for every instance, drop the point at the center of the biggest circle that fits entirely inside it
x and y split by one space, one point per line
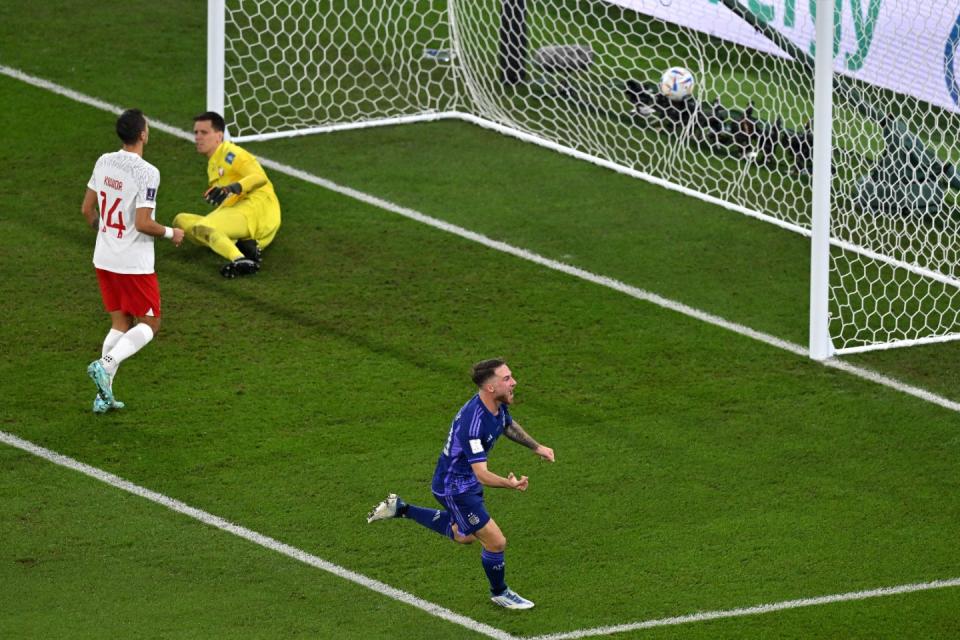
149 183
472 437
247 171
93 184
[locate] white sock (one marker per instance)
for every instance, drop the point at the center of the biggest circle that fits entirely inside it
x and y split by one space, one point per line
128 344
109 343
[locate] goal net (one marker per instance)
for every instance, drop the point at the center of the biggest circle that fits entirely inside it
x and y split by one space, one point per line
295 67
584 77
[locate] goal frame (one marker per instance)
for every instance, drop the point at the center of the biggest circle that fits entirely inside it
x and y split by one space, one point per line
820 343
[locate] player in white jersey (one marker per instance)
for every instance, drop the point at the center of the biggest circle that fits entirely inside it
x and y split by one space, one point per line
120 203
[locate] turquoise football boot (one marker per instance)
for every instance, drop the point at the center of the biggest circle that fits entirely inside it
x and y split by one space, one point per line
101 378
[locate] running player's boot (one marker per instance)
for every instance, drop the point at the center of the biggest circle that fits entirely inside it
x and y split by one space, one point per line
239 267
390 507
101 378
250 249
510 599
102 406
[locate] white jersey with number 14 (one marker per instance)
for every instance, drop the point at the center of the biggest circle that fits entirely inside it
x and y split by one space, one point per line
123 182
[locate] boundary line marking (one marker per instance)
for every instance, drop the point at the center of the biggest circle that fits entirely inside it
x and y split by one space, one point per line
604 281
751 611
429 607
407 598
256 538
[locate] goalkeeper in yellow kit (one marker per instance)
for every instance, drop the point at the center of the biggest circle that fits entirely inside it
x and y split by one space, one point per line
247 216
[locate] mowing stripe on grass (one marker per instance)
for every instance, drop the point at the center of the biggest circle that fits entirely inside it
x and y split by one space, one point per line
429 607
256 538
751 611
604 281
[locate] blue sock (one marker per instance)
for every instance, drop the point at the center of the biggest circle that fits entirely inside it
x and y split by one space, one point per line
496 568
433 519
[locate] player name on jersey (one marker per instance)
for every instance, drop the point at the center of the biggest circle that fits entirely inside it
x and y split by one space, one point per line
124 182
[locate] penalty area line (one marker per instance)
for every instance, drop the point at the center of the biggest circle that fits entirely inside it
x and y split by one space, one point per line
604 281
704 616
267 542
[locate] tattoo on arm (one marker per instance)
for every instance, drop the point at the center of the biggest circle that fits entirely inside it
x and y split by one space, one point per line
516 433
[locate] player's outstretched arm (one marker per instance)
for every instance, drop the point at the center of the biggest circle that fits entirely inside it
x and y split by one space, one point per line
489 479
149 226
516 433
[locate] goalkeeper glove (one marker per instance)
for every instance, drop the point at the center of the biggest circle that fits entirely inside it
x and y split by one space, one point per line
216 195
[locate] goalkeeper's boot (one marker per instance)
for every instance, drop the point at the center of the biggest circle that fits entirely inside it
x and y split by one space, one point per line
102 406
101 378
240 267
250 249
390 507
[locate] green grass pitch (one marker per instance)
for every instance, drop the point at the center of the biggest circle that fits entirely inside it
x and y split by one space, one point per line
697 470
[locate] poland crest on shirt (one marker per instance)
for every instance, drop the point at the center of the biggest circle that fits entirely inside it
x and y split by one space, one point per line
123 183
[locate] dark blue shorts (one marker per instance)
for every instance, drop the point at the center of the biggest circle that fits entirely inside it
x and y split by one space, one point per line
467 510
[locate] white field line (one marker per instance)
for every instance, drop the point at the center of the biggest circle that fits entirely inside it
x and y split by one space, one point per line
610 283
635 292
256 538
604 281
429 607
751 611
76 96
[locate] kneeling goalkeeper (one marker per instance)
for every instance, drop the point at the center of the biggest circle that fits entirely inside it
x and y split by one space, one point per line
247 214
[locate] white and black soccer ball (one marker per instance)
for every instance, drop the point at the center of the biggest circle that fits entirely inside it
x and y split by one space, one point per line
677 83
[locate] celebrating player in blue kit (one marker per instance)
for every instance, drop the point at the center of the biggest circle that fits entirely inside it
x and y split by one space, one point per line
462 473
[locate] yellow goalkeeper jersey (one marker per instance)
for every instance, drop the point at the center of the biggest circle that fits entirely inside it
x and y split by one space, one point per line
231 163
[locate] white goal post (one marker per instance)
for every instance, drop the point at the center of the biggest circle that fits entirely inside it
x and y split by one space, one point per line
837 121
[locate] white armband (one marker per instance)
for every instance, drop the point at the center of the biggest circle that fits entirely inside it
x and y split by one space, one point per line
168 232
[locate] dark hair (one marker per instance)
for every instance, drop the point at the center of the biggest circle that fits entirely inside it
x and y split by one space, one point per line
215 119
483 370
130 125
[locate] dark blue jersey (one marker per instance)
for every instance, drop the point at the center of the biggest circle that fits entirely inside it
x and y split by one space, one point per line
473 433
